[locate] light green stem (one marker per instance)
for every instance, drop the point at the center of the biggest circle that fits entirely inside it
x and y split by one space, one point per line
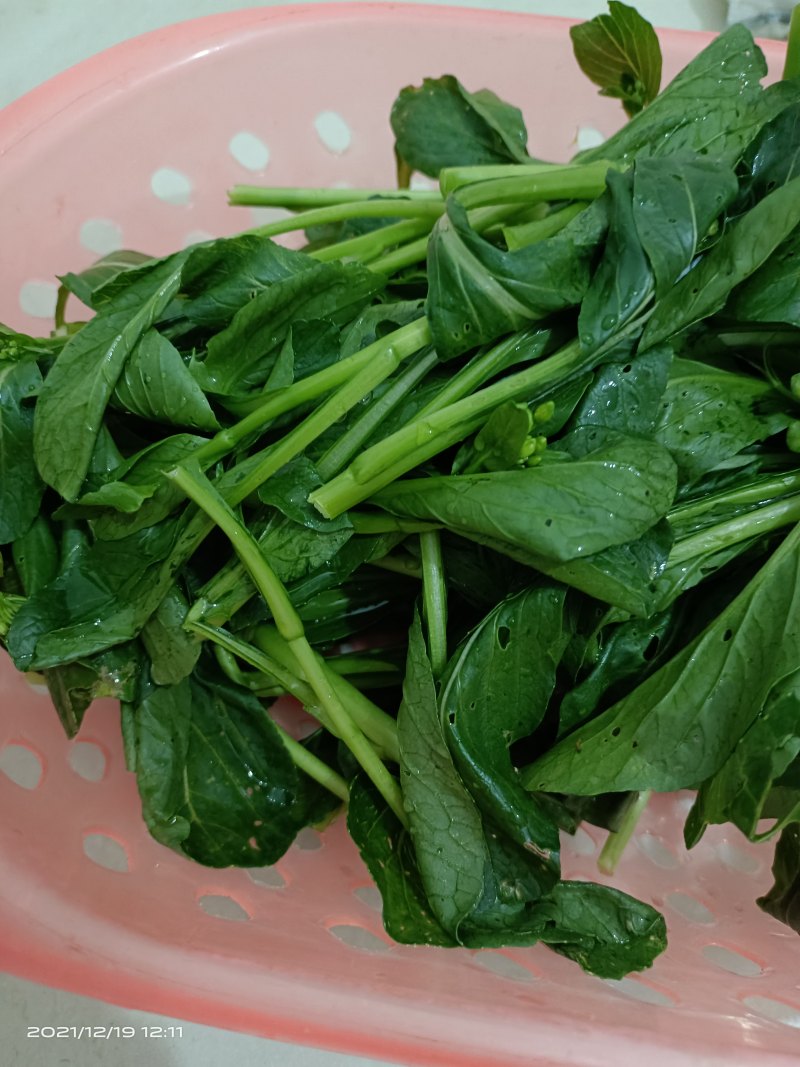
617 842
303 199
364 209
290 626
791 66
372 720
405 565
529 233
434 596
733 531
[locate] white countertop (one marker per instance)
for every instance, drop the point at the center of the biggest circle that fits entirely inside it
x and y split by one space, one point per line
41 38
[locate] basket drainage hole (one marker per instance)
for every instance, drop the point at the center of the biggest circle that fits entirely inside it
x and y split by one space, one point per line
588 137
734 962
101 236
249 151
656 852
369 895
105 852
333 131
219 906
737 859
22 765
776 1010
580 843
171 186
501 965
269 877
308 840
87 760
38 298
690 908
358 937
639 991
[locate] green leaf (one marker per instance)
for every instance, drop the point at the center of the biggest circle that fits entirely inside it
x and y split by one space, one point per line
221 276
88 285
35 555
783 900
387 850
376 322
156 384
773 157
74 686
622 284
558 510
743 247
713 107
709 415
173 652
215 779
675 203
446 827
620 53
241 356
739 791
626 396
77 389
478 292
772 293
21 487
607 932
681 724
496 690
103 597
288 490
439 124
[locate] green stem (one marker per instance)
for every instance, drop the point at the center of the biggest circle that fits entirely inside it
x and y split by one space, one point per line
617 842
379 522
303 199
386 357
405 565
370 245
290 626
452 178
372 720
434 596
740 528
405 340
340 453
582 181
791 66
364 209
529 233
313 766
429 434
758 492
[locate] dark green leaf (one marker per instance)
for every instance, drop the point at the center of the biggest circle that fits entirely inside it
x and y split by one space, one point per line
681 724
497 688
21 487
241 356
88 285
439 124
709 415
607 932
73 686
173 652
783 900
478 292
77 389
772 293
620 53
557 510
288 490
626 396
739 791
743 247
35 555
387 850
156 384
215 779
675 202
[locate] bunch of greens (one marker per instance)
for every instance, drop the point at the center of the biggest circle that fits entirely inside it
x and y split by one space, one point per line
533 432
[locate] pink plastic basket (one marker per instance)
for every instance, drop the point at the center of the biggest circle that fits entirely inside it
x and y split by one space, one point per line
137 147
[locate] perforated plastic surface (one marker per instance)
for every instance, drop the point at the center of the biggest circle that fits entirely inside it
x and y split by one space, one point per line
137 148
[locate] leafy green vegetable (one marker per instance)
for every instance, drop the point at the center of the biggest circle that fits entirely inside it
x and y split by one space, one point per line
620 53
543 419
440 124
